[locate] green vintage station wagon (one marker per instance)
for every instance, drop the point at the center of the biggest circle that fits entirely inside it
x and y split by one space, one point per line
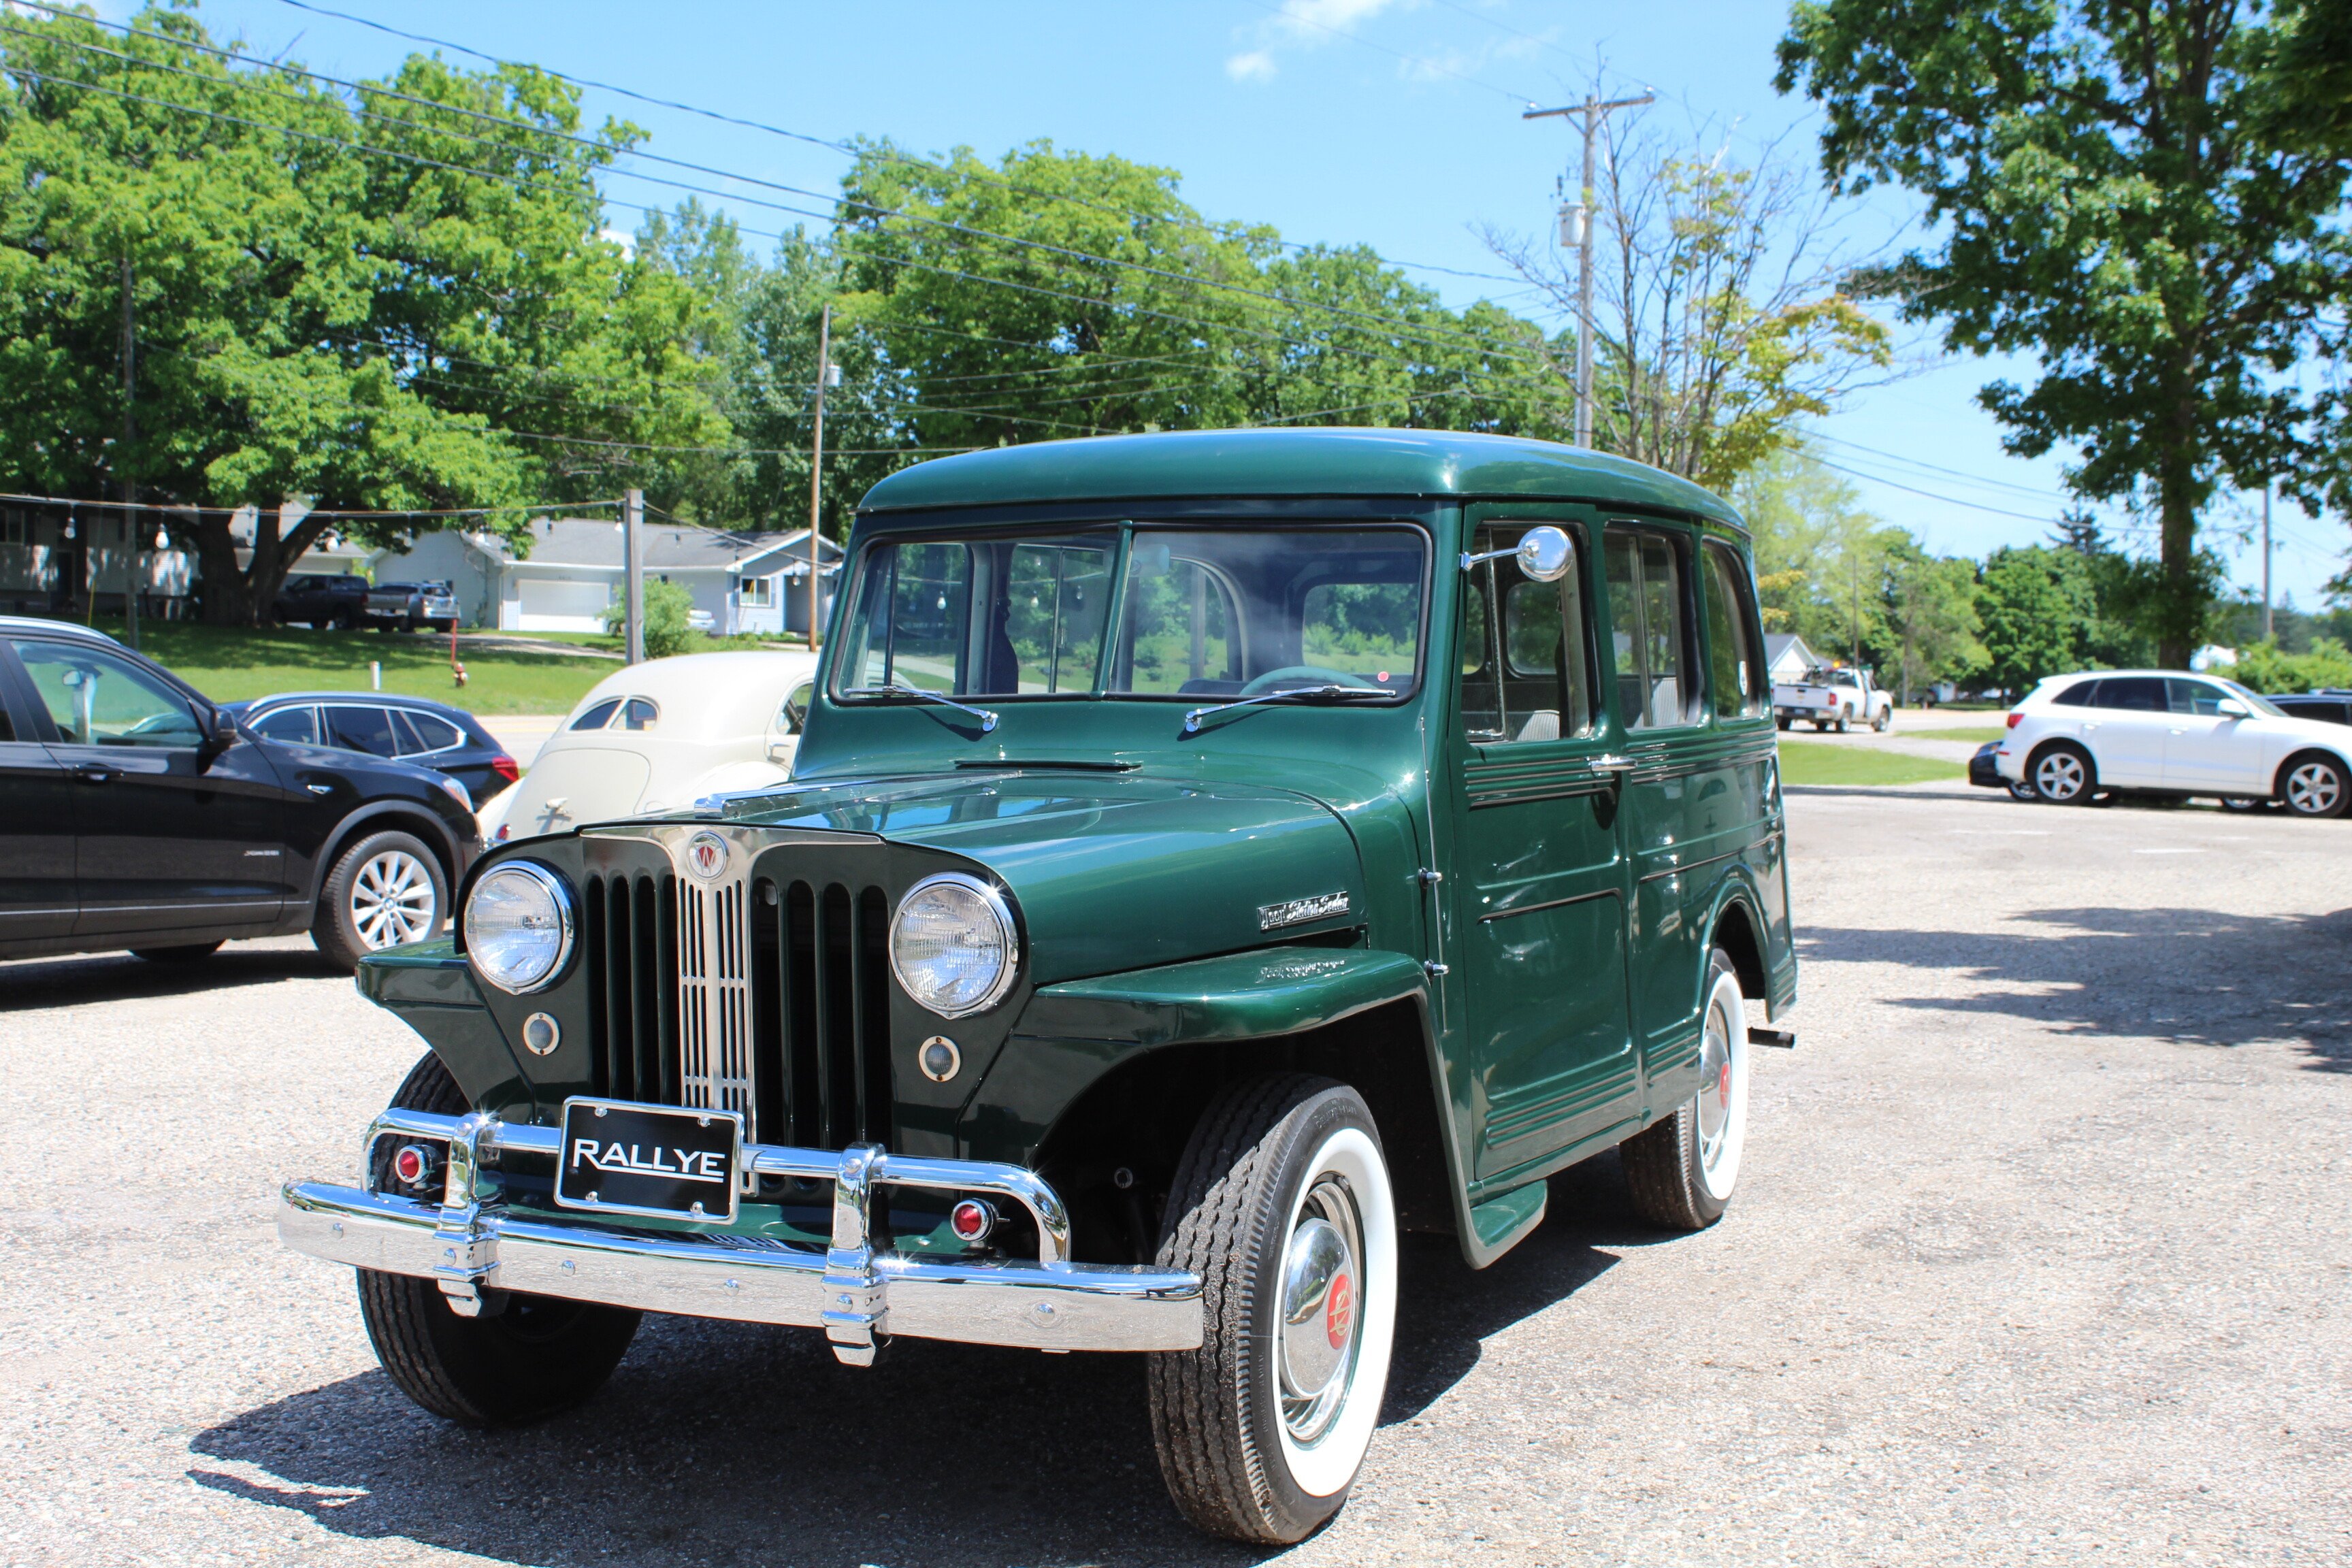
1209 856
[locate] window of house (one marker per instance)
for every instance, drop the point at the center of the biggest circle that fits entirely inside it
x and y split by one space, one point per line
757 593
1645 612
14 527
1526 674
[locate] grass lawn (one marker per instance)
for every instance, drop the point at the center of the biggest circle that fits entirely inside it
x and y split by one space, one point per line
1972 736
1818 762
230 665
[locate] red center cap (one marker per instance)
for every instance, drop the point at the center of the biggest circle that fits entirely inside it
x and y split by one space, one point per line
1339 1311
1723 1084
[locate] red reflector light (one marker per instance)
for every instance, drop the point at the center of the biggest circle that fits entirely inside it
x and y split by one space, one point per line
411 1164
2013 719
972 1220
506 767
503 831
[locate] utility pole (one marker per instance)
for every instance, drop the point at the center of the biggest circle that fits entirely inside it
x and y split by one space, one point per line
2266 561
130 429
1576 231
633 557
827 375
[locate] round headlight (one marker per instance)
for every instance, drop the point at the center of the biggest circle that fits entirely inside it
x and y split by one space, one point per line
518 926
953 946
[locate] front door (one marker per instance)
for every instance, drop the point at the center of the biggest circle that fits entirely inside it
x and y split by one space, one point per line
170 832
2206 749
1539 882
37 836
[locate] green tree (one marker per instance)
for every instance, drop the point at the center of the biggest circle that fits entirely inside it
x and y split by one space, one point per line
2120 189
1931 615
669 624
393 299
2036 606
1821 555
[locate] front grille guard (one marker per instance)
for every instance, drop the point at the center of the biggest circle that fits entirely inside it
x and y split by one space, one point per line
855 1315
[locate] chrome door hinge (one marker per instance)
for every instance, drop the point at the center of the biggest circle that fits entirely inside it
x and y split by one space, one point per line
1427 877
1434 970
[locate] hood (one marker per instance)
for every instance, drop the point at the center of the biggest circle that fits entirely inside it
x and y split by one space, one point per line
1111 871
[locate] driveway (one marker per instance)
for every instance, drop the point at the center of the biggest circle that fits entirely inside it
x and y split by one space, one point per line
2041 1254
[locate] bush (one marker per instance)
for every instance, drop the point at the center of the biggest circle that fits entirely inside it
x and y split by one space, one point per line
666 607
2263 669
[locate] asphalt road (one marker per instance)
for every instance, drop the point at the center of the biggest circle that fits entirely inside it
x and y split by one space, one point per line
2040 1255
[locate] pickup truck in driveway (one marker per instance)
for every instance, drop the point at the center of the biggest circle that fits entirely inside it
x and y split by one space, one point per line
1833 700
404 606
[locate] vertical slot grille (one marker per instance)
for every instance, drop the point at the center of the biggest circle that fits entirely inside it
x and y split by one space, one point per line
632 986
821 1013
764 997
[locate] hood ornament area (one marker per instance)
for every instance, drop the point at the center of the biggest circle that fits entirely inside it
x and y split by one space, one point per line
705 855
1299 911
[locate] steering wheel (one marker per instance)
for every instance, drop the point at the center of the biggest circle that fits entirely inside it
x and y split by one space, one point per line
1308 675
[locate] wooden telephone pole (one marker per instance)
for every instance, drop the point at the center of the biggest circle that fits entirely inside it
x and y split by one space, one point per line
825 375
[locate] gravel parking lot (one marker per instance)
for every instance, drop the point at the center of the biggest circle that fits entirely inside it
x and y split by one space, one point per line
2042 1254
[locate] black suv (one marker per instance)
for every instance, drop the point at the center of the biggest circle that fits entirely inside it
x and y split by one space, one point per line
323 600
135 813
416 729
2327 703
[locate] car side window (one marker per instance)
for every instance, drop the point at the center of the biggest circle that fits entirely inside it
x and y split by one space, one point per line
2082 694
98 700
358 729
795 712
1527 675
431 732
1735 680
2195 697
637 713
1645 614
596 718
298 726
2134 693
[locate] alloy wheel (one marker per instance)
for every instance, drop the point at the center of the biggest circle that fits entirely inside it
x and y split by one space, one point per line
2315 789
393 901
2059 776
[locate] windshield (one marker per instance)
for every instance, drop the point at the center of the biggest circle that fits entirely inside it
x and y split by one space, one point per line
1201 612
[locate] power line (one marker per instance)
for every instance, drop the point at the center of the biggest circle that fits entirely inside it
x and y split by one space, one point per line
1297 19
845 149
2034 491
361 512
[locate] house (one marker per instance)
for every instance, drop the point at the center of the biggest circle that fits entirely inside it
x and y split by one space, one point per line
55 558
1786 657
747 582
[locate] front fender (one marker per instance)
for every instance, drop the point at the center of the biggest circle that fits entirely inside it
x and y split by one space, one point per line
1072 1033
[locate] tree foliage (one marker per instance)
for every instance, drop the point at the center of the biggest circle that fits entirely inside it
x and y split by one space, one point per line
386 299
2128 189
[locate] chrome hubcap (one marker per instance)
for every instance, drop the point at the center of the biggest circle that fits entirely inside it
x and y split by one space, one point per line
1322 1310
2060 776
1715 1087
2314 788
393 901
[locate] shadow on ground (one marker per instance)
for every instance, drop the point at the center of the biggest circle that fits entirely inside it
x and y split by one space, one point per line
727 1443
2188 974
84 978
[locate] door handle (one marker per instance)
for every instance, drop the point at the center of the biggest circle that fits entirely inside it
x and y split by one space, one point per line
320 789
1613 764
2176 731
96 772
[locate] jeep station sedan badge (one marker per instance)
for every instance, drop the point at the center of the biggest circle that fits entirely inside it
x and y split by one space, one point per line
1208 856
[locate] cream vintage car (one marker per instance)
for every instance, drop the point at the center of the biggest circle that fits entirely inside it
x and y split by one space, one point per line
659 736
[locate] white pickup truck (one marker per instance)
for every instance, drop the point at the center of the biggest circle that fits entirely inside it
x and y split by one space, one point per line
1833 700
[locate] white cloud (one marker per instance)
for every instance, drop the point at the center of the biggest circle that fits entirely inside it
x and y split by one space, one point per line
1303 24
1256 65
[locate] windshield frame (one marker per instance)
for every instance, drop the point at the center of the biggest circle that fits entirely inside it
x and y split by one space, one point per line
1055 530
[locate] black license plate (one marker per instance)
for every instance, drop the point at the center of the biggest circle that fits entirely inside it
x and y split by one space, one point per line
649 1160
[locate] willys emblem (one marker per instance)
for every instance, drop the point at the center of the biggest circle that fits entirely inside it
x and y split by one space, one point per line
1298 912
705 855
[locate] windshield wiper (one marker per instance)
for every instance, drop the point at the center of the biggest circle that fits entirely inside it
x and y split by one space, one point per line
899 692
1298 693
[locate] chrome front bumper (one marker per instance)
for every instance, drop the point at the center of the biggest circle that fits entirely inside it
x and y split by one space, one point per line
475 1247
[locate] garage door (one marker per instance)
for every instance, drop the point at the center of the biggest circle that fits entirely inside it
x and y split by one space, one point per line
556 599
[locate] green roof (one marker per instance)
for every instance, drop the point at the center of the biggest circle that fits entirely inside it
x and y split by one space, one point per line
1267 462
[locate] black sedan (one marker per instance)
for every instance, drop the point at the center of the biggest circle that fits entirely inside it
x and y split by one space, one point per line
414 729
135 813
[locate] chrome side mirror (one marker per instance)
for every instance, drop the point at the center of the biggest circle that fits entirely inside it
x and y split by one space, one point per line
1544 554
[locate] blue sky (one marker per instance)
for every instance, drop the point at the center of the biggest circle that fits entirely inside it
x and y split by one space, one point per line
1391 123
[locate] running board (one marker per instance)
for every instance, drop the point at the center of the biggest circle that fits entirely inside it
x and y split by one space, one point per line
1781 1040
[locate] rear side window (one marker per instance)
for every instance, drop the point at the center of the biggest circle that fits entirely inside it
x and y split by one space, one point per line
432 733
1734 681
1645 612
2134 694
357 728
637 713
2082 694
596 718
297 726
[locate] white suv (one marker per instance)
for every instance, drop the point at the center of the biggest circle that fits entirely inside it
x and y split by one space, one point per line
2161 733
